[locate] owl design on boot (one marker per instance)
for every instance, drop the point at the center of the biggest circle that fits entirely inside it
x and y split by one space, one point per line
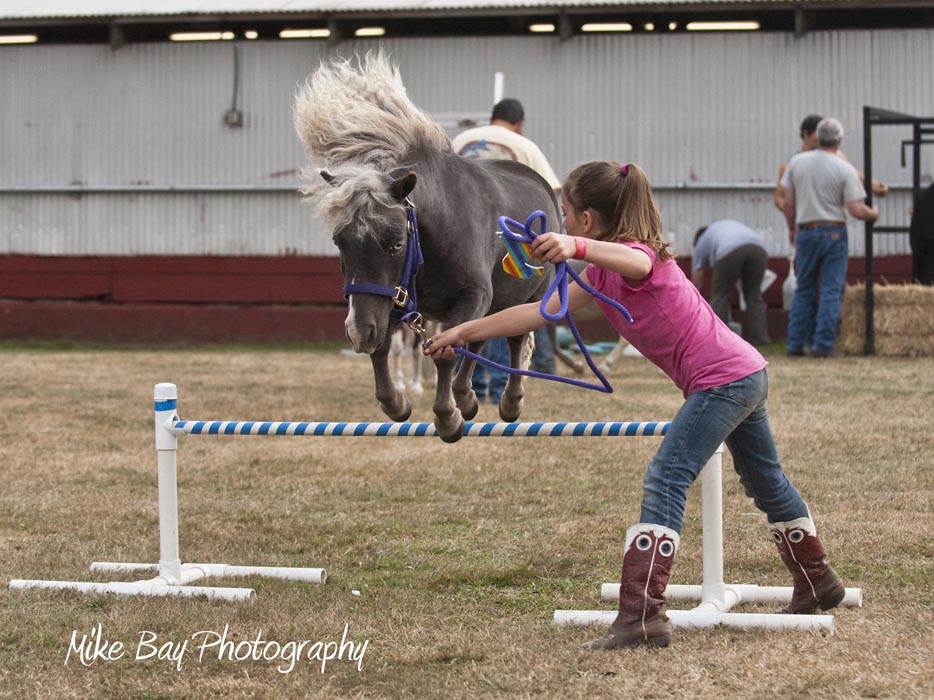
648 555
816 583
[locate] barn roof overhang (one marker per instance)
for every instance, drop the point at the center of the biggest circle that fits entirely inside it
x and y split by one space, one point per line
119 22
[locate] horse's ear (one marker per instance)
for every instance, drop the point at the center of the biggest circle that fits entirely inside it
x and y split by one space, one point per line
327 177
401 187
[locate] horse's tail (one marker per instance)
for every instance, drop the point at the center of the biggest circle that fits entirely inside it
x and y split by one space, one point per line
362 115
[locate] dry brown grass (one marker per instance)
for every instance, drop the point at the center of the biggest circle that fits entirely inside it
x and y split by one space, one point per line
461 552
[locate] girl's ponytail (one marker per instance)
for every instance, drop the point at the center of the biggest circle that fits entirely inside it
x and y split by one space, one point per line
621 196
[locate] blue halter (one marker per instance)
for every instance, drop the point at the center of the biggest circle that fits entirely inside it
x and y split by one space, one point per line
403 295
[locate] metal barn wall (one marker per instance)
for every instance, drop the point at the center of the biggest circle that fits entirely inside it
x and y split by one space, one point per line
125 153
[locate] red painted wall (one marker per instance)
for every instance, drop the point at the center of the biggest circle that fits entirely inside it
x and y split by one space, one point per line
181 279
231 299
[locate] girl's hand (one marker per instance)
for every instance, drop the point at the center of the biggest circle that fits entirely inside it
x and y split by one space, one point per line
553 247
441 345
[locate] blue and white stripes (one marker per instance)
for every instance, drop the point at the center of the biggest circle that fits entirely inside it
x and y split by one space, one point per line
305 428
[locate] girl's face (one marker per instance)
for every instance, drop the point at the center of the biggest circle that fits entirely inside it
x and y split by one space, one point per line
576 223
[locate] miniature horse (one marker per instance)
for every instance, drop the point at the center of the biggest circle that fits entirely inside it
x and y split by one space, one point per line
382 168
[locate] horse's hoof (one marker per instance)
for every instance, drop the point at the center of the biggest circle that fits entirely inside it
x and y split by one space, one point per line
403 414
470 412
510 416
456 435
407 413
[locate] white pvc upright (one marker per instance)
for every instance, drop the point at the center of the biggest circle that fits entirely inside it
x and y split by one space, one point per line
714 597
170 565
712 589
173 576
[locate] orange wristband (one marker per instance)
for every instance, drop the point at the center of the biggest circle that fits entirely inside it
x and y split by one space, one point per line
580 247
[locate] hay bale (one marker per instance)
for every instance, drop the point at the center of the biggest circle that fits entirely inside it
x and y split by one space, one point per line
903 316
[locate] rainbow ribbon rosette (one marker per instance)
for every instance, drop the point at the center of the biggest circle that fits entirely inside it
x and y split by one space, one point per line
516 261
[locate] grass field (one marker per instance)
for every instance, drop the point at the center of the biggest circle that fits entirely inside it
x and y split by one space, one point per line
447 560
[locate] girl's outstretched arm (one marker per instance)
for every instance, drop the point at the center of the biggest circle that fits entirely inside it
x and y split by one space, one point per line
515 320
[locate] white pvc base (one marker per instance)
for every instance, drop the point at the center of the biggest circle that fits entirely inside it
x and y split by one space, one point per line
153 587
191 572
714 597
708 618
736 593
167 586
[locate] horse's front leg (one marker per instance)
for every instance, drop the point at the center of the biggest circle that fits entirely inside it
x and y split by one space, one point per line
394 403
464 395
448 418
520 354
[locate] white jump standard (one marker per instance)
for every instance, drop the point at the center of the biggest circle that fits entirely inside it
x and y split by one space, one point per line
173 576
714 597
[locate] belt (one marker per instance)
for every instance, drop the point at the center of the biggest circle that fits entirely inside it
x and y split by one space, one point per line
816 224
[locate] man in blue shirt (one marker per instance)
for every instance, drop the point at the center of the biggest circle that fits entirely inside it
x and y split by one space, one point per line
734 252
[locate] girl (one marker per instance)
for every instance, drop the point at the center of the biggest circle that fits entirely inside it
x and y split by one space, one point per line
613 223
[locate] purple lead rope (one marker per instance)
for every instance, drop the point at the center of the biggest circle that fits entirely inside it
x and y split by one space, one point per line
559 285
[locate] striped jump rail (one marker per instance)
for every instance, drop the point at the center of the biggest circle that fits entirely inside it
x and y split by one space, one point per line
339 429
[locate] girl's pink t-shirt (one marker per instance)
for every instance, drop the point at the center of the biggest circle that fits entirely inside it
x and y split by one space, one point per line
674 327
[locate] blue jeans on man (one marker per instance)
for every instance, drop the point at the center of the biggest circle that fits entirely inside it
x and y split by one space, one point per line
489 381
735 414
820 264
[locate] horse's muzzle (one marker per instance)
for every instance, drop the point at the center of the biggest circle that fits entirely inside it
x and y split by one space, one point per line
365 338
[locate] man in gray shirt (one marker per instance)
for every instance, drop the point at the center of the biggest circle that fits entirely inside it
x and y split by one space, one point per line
734 252
820 188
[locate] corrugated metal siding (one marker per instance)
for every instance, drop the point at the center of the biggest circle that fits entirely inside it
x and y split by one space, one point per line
691 109
151 115
160 224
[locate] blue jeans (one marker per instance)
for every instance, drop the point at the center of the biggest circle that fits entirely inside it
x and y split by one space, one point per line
735 414
820 264
487 380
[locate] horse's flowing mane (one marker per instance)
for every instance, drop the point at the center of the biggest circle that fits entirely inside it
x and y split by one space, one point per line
359 124
356 192
363 115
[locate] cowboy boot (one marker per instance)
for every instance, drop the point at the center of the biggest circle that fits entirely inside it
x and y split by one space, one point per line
647 558
816 583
